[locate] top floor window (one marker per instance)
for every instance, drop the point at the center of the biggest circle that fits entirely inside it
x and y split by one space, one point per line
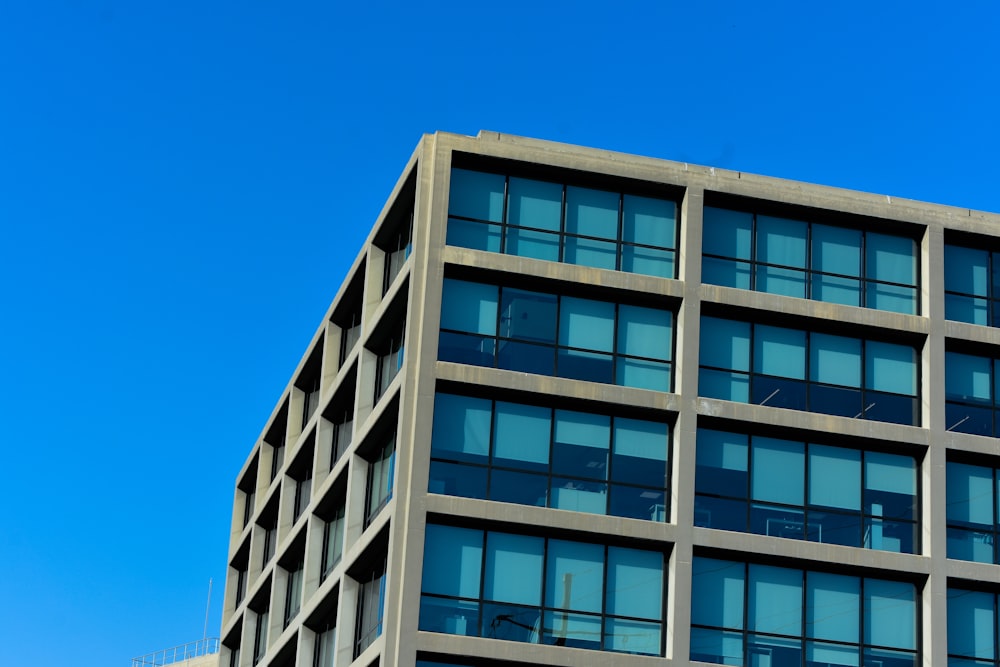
397 251
810 260
972 285
562 223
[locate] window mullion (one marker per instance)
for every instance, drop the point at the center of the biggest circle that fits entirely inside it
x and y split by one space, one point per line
504 208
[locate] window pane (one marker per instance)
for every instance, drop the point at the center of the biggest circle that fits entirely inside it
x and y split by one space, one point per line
586 366
969 494
836 250
461 428
587 324
574 576
833 289
780 352
475 235
835 477
533 244
778 471
649 221
470 307
890 367
966 270
535 204
721 463
776 280
476 195
835 360
832 655
644 332
648 261
725 272
971 624
521 436
833 605
643 374
890 485
781 241
581 444
890 613
633 636
722 648
640 452
725 344
727 386
589 252
774 600
513 569
966 309
453 560
727 233
893 298
526 315
891 258
591 213
967 378
717 589
635 583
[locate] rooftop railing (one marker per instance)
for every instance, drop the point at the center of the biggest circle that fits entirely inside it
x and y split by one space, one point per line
187 651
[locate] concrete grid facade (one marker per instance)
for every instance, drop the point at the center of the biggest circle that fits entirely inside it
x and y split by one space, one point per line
776 450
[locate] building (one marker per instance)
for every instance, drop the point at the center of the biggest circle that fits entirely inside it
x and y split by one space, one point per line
572 406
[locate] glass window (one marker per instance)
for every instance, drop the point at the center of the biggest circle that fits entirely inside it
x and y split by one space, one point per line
972 625
371 602
809 260
786 609
972 497
970 393
805 491
380 478
540 590
581 461
556 222
970 294
847 377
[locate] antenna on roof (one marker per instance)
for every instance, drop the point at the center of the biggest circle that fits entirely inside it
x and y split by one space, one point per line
208 605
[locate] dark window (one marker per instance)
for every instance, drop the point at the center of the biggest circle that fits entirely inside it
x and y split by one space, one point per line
333 541
806 491
371 602
381 470
303 491
260 636
293 593
396 253
972 399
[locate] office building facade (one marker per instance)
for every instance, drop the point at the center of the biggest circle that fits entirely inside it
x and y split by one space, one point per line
572 407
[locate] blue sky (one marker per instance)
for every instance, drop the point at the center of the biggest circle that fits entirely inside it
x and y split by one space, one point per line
183 186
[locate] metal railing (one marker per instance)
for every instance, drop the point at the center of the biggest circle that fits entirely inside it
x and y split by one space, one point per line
187 651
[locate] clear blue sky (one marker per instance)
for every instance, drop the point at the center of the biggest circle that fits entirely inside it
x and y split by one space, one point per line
184 184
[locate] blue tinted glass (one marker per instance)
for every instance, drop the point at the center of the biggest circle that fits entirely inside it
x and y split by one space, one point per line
513 569
648 261
727 233
725 344
967 378
774 600
893 298
725 272
890 367
890 613
835 360
644 332
521 435
835 477
476 195
588 252
586 366
580 447
836 250
457 479
971 624
535 204
627 636
969 493
727 386
717 589
722 463
716 646
971 545
475 235
533 244
579 496
781 241
780 352
649 221
643 374
890 485
452 561
833 607
574 576
591 213
522 488
891 259
966 270
833 289
526 315
635 583
966 309
470 307
778 471
787 282
586 324
461 428
639 454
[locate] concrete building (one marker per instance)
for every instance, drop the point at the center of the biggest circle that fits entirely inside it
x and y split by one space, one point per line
573 407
